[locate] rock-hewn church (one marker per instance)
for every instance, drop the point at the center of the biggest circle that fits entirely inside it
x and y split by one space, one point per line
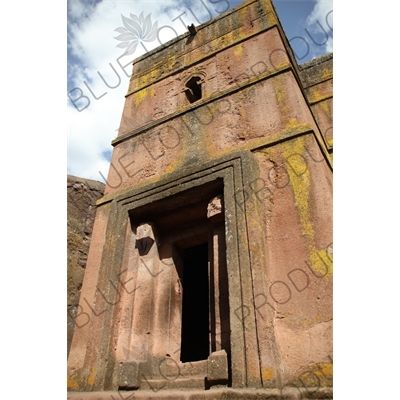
209 274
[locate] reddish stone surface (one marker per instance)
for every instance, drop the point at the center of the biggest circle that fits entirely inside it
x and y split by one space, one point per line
82 195
221 206
317 78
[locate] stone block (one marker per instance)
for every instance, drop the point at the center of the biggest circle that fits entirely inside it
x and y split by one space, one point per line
217 367
145 230
215 209
145 238
128 377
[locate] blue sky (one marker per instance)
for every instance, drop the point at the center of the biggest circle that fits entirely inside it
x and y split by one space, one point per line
97 83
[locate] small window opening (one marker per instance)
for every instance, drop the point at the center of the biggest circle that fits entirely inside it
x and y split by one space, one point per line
193 89
195 304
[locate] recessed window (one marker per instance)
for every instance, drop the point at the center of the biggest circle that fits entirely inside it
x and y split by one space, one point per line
193 89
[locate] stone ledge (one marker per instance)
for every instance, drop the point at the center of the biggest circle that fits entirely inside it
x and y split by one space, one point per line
315 71
287 393
316 61
158 385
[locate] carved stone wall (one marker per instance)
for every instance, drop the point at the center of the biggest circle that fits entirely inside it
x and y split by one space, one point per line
220 192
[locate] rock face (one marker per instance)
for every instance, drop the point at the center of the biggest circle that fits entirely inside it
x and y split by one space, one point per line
210 262
81 203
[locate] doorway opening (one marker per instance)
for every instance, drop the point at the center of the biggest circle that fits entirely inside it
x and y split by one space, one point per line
195 344
190 285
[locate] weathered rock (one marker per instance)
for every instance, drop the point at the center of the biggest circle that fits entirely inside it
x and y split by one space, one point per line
82 195
210 263
217 367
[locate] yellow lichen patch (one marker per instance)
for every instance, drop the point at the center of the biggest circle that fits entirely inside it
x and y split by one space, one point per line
329 142
242 13
238 51
299 175
173 166
300 180
253 368
280 93
325 369
243 16
72 383
293 123
325 105
326 73
315 95
321 263
318 375
139 96
179 159
267 374
91 376
144 80
271 17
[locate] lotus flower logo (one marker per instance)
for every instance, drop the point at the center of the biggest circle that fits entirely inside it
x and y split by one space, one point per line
137 30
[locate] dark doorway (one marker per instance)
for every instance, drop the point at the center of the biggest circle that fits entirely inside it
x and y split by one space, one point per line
195 305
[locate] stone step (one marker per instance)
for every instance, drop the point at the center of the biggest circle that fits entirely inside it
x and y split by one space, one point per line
181 384
288 393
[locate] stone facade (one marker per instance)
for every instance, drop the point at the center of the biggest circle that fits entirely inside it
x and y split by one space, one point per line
210 267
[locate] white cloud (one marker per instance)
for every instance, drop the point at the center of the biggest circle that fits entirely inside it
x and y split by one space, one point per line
321 13
93 47
329 46
320 27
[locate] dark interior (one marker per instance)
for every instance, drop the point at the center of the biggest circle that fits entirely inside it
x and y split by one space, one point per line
195 307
